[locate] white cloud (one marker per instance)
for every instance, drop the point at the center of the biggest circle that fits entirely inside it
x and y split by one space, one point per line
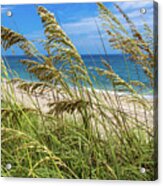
37 34
139 19
135 4
87 26
84 26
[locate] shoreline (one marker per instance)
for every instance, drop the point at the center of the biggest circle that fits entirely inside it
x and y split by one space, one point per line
98 90
147 96
107 99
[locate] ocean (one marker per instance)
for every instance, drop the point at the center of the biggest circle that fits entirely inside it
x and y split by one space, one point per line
121 64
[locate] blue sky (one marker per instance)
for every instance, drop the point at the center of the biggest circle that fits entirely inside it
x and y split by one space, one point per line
77 20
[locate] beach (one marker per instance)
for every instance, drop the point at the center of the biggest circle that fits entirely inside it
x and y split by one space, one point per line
121 102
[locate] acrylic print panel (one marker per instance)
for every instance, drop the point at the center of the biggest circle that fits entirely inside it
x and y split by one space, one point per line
79 91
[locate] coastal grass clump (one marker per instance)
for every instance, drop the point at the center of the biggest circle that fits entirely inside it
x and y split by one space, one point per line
61 147
76 132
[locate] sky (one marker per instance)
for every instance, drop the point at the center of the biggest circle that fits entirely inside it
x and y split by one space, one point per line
77 20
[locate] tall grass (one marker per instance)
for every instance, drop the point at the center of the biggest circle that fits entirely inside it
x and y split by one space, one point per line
84 134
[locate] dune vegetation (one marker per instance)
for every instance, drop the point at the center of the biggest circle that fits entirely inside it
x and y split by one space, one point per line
59 128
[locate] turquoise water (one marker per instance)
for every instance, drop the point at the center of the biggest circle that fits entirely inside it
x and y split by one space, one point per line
122 65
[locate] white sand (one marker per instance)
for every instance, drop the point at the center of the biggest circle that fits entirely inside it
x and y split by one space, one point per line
117 102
